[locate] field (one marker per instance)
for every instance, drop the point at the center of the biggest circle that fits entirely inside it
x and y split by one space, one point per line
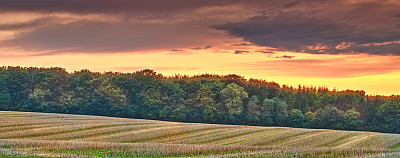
29 134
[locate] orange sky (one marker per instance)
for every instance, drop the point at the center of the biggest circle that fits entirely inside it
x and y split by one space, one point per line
338 75
338 44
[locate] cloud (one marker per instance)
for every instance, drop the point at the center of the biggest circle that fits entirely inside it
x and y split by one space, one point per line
241 52
311 26
99 5
201 48
291 4
95 37
318 31
242 44
286 57
176 50
265 51
396 15
26 25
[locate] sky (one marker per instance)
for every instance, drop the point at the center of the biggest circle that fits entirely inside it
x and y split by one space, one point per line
341 44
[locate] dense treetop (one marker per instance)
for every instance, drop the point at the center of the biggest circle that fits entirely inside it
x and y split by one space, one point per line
227 99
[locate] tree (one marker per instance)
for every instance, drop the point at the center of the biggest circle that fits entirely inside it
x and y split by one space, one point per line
310 118
352 119
328 117
389 112
233 96
254 109
111 92
5 97
281 111
204 99
275 110
17 84
297 118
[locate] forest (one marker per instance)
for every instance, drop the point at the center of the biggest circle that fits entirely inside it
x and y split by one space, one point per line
206 98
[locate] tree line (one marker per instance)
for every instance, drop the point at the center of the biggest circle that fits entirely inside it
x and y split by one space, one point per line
224 99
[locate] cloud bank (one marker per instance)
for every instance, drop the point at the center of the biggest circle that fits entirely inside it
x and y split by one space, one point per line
102 26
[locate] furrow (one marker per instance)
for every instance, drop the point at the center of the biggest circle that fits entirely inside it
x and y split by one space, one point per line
255 136
93 132
170 134
357 140
46 131
128 135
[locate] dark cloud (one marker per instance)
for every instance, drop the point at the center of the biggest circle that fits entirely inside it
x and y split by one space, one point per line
176 50
318 31
286 57
106 6
241 52
396 15
92 36
265 51
310 26
299 33
201 48
291 4
242 44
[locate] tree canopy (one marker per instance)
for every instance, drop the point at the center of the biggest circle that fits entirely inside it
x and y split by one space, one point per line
229 99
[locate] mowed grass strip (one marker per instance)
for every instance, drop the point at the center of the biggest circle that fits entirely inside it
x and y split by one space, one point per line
344 139
249 139
299 138
152 135
130 149
174 132
318 140
91 131
190 138
204 137
281 137
228 135
356 139
30 127
130 135
45 131
233 139
293 138
179 137
99 135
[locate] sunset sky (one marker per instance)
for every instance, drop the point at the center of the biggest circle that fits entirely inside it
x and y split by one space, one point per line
342 44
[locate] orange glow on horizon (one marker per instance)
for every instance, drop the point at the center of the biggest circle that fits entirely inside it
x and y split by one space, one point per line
374 83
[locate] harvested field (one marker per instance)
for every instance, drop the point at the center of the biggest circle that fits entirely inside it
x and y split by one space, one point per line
24 134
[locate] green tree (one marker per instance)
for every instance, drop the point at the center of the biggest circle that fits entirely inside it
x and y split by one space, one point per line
328 117
352 119
268 111
297 118
254 109
310 119
205 99
281 111
233 96
111 92
5 97
17 83
389 112
275 111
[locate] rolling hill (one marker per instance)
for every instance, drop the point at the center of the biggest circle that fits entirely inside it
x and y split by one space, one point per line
27 134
